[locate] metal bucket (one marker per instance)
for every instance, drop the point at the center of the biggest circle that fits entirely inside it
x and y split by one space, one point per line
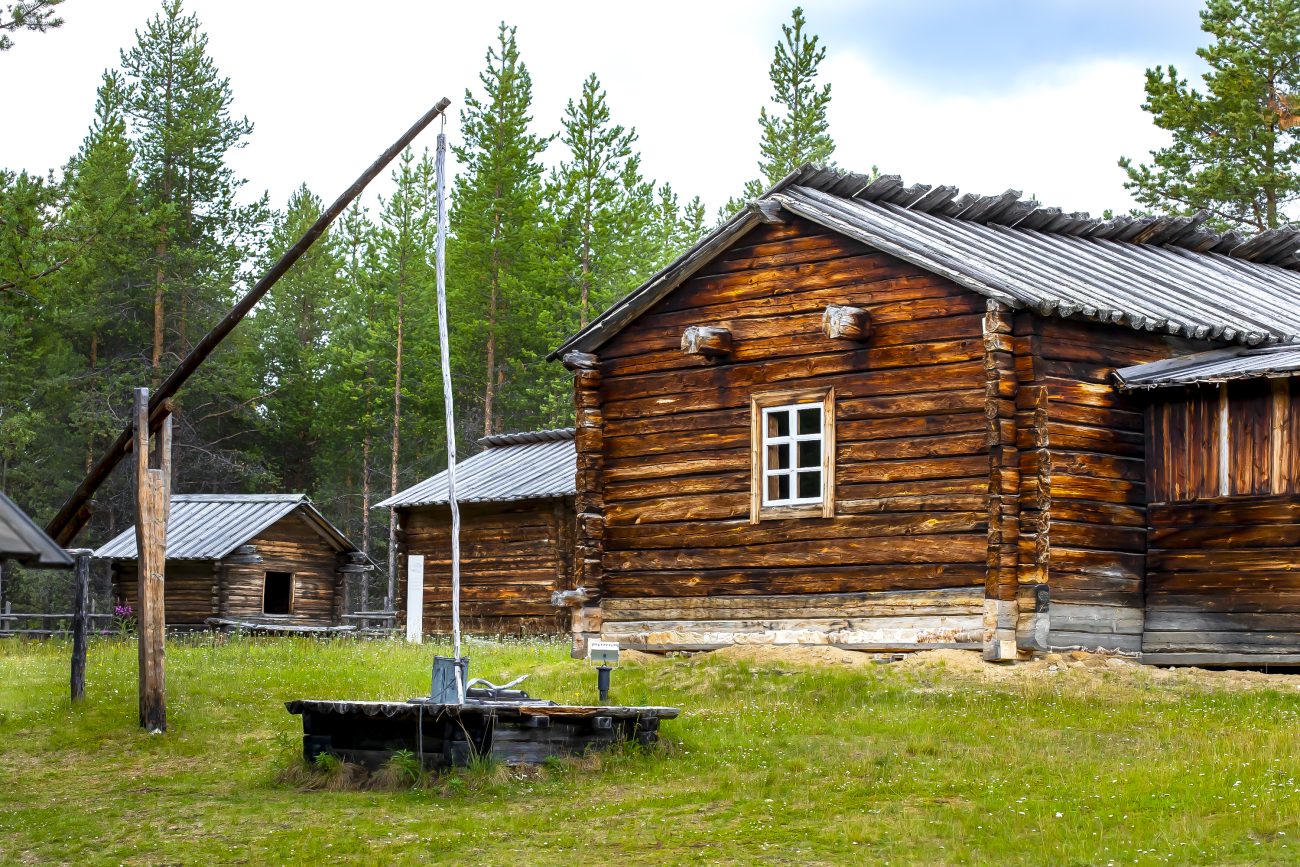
444 679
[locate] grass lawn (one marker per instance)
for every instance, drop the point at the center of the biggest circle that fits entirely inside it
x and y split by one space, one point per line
771 762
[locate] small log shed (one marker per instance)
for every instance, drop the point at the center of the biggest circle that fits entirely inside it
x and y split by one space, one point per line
882 417
516 505
270 559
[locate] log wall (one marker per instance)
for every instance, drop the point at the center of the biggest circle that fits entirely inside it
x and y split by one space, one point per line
1082 543
1223 581
187 590
513 556
902 564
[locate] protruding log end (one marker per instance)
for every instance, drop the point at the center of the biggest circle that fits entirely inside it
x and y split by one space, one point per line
706 340
767 210
846 323
576 360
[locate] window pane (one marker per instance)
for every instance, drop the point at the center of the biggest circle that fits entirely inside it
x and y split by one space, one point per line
778 424
810 420
810 453
778 457
778 488
810 484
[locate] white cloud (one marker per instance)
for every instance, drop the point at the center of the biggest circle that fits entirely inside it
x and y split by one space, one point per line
1058 139
329 85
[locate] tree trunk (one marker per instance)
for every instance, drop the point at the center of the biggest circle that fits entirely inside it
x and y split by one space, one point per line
390 599
365 515
489 394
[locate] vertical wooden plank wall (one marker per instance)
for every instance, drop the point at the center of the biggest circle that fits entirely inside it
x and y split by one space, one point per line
1247 428
902 564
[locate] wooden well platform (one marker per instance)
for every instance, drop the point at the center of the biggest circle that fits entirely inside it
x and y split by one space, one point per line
517 732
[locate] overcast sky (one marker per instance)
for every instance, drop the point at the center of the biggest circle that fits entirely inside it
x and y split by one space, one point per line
1038 95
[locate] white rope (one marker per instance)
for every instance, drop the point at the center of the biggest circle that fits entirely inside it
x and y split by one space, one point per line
440 267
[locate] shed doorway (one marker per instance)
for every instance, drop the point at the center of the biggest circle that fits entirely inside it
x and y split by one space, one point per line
277 593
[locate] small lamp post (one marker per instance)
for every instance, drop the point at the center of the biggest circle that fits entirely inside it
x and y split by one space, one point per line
605 656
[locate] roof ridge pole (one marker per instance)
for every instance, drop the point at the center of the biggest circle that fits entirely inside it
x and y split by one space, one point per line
440 271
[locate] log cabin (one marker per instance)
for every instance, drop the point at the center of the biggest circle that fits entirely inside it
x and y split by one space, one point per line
882 417
516 543
265 559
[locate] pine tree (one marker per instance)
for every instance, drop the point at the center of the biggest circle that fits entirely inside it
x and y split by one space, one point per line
35 15
590 193
799 132
100 307
1236 146
353 407
496 261
407 223
179 108
179 115
290 333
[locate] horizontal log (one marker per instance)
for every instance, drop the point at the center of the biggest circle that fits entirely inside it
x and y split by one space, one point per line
899 381
1212 582
912 632
939 548
1214 658
831 605
1221 642
1161 619
1064 640
740 532
1277 560
1230 536
748 581
1098 619
1283 509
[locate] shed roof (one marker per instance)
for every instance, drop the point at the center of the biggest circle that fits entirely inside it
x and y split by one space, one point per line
22 540
211 526
1217 365
1165 274
518 466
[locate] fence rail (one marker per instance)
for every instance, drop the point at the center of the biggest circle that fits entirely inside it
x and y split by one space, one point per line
373 619
51 624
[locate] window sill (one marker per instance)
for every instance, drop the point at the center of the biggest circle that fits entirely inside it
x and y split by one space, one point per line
807 510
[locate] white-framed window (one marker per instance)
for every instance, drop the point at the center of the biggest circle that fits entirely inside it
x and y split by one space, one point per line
793 454
793 442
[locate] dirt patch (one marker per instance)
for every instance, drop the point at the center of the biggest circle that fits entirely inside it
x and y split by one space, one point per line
1077 666
794 654
1088 667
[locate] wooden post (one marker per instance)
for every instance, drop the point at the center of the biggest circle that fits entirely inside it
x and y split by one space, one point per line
152 503
80 600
